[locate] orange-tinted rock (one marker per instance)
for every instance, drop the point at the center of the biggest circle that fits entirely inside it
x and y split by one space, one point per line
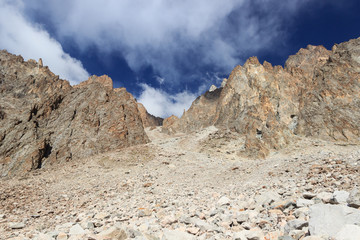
316 94
43 120
170 124
104 80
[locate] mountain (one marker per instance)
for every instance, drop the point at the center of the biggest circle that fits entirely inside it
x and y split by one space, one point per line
315 95
44 120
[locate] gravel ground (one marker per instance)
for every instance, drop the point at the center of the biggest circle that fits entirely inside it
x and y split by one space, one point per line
187 186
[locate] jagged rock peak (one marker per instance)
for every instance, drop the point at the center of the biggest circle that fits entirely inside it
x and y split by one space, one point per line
316 94
104 80
44 120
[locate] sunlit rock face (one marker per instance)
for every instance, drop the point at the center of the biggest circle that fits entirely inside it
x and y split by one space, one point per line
315 95
44 120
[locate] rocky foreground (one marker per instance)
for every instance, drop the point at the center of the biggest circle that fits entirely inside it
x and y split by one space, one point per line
190 187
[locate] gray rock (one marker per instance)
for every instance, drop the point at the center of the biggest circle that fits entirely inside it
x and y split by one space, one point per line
112 233
348 232
308 195
304 202
42 236
223 201
254 235
248 235
298 234
176 235
17 225
313 238
340 197
267 198
90 225
53 234
76 230
328 220
325 196
295 225
134 233
354 198
285 238
203 225
239 236
242 217
301 212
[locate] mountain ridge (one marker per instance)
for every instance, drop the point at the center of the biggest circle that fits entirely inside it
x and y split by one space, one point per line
269 105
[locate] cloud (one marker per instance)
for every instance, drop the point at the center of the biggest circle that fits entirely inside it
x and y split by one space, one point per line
159 79
19 36
160 103
178 39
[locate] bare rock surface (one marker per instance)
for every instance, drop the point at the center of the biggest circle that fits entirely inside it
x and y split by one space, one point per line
174 187
92 179
44 120
316 95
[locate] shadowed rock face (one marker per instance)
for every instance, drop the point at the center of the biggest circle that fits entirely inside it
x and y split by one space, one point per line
44 120
316 95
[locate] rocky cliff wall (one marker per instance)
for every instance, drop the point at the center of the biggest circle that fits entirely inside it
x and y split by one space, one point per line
44 120
315 95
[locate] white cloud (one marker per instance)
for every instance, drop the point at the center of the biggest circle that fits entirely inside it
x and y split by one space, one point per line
19 36
166 34
160 80
162 104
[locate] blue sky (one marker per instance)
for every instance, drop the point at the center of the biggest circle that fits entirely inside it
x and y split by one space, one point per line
167 52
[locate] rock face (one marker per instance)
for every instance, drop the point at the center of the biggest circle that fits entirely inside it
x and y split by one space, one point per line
315 95
148 119
44 120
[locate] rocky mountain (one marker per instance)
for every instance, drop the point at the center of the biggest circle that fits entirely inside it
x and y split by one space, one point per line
315 95
44 120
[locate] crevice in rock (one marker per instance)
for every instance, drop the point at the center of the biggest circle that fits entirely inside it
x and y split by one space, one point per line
44 152
73 116
33 112
57 103
259 134
2 115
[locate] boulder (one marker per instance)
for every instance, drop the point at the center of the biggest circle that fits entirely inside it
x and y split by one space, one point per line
176 235
354 198
328 220
113 233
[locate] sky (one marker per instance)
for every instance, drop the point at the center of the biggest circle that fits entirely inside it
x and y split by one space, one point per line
168 52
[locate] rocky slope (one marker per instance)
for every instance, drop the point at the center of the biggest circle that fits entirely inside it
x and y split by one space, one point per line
315 95
180 187
44 120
